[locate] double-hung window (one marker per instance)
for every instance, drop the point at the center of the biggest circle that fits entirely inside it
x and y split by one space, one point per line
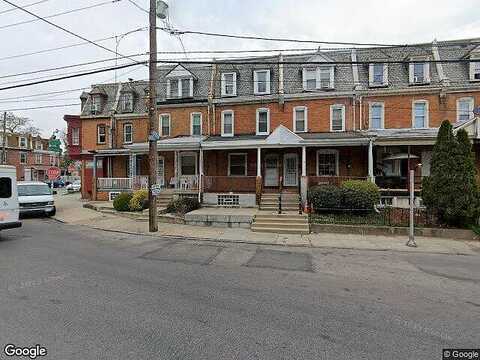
227 123
180 88
420 114
327 162
127 103
196 124
309 79
101 134
419 73
23 158
475 70
465 109
337 117
76 136
127 133
188 164
318 78
376 116
325 77
164 125
38 159
22 142
263 121
300 119
378 74
229 84
237 164
261 82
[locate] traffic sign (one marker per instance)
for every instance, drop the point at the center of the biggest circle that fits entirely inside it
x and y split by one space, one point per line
53 173
156 189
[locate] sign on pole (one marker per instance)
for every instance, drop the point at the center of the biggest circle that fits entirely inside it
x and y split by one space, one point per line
53 173
156 189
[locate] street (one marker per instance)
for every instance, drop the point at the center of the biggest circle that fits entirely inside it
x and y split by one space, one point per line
89 294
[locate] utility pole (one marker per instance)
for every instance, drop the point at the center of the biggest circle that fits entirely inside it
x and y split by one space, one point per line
152 120
411 233
4 142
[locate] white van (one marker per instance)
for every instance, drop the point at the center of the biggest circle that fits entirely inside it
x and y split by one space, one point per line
35 197
8 198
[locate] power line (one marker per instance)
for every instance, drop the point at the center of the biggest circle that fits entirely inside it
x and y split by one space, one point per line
43 107
25 6
138 6
59 14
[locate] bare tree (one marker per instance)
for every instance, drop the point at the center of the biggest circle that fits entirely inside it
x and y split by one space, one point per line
18 124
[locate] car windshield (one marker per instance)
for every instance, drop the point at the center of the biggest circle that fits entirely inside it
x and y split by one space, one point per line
34 190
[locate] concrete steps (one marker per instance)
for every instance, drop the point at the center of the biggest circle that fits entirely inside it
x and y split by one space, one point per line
164 199
281 223
270 202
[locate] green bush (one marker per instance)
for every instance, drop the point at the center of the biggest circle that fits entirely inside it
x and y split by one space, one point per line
183 205
122 202
325 197
360 194
138 200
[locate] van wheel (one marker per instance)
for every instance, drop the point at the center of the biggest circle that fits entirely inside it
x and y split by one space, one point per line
50 214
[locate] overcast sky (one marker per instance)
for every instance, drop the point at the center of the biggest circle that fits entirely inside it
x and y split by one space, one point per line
405 21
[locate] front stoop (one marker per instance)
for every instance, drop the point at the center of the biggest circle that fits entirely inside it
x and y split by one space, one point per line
269 201
286 223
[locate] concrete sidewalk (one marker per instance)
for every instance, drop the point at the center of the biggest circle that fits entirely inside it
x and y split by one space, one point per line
70 210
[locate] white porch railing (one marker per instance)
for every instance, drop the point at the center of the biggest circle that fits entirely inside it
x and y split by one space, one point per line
114 183
185 182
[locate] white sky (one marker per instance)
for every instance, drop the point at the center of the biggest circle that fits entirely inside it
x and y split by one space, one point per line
405 21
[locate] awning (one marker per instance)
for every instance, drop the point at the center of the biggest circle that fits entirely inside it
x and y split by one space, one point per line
401 156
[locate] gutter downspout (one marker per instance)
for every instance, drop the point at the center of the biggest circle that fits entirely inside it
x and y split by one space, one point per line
211 93
113 120
281 89
361 113
354 101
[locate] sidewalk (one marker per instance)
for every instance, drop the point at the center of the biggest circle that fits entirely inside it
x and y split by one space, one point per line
70 210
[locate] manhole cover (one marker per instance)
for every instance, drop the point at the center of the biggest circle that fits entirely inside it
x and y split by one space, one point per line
283 260
185 253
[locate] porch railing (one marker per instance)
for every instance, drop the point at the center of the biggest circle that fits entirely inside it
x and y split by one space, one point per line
332 180
241 184
114 183
184 183
397 182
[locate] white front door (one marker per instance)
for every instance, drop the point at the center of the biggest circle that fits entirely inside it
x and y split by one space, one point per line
290 170
271 170
161 171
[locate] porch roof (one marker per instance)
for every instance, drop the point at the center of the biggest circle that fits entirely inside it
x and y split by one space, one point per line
405 136
176 143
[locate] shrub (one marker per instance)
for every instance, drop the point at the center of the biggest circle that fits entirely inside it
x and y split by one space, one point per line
183 205
122 202
360 194
137 202
325 197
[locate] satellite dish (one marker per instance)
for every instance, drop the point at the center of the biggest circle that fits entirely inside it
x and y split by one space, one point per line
162 9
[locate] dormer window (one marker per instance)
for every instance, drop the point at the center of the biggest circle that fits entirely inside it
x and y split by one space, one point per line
180 83
318 78
261 82
229 84
38 145
378 74
127 102
419 73
22 142
96 104
475 69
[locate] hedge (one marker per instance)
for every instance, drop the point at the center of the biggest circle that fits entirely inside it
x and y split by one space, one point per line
122 202
183 205
139 200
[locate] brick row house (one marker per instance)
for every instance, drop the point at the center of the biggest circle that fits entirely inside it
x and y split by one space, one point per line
233 130
29 154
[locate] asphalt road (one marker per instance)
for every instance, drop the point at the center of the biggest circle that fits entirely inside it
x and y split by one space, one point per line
85 294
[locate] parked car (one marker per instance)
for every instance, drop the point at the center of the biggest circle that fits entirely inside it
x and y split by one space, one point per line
8 198
74 187
35 197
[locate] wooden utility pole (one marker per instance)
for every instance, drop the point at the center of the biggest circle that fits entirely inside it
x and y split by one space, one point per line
4 142
152 121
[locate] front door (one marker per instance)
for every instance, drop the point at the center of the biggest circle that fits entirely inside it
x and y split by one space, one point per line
290 170
271 170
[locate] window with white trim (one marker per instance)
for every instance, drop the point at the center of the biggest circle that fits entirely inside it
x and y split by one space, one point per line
237 164
378 74
164 125
261 82
22 142
321 77
75 136
475 70
309 79
465 108
337 117
196 124
229 84
263 121
101 134
420 114
327 162
377 115
23 158
180 88
127 102
96 104
227 123
419 73
326 77
127 133
38 145
38 158
300 119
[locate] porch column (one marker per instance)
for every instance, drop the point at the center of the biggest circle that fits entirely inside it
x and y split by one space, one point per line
258 181
304 178
133 165
200 176
370 162
175 168
94 179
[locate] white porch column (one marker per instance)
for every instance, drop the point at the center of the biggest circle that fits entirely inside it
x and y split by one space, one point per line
258 180
304 178
133 165
259 162
175 167
370 162
200 177
304 161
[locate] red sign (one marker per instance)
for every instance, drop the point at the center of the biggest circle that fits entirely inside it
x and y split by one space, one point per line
53 173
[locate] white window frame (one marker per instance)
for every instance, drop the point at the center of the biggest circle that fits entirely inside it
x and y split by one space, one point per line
38 159
95 104
224 84
258 111
75 139
180 158
331 84
474 60
20 142
305 114
125 133
371 77
471 106
246 163
426 72
37 142
328 151
231 112
98 134
124 107
370 117
304 78
179 88
191 123
160 127
337 106
21 155
426 113
255 82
